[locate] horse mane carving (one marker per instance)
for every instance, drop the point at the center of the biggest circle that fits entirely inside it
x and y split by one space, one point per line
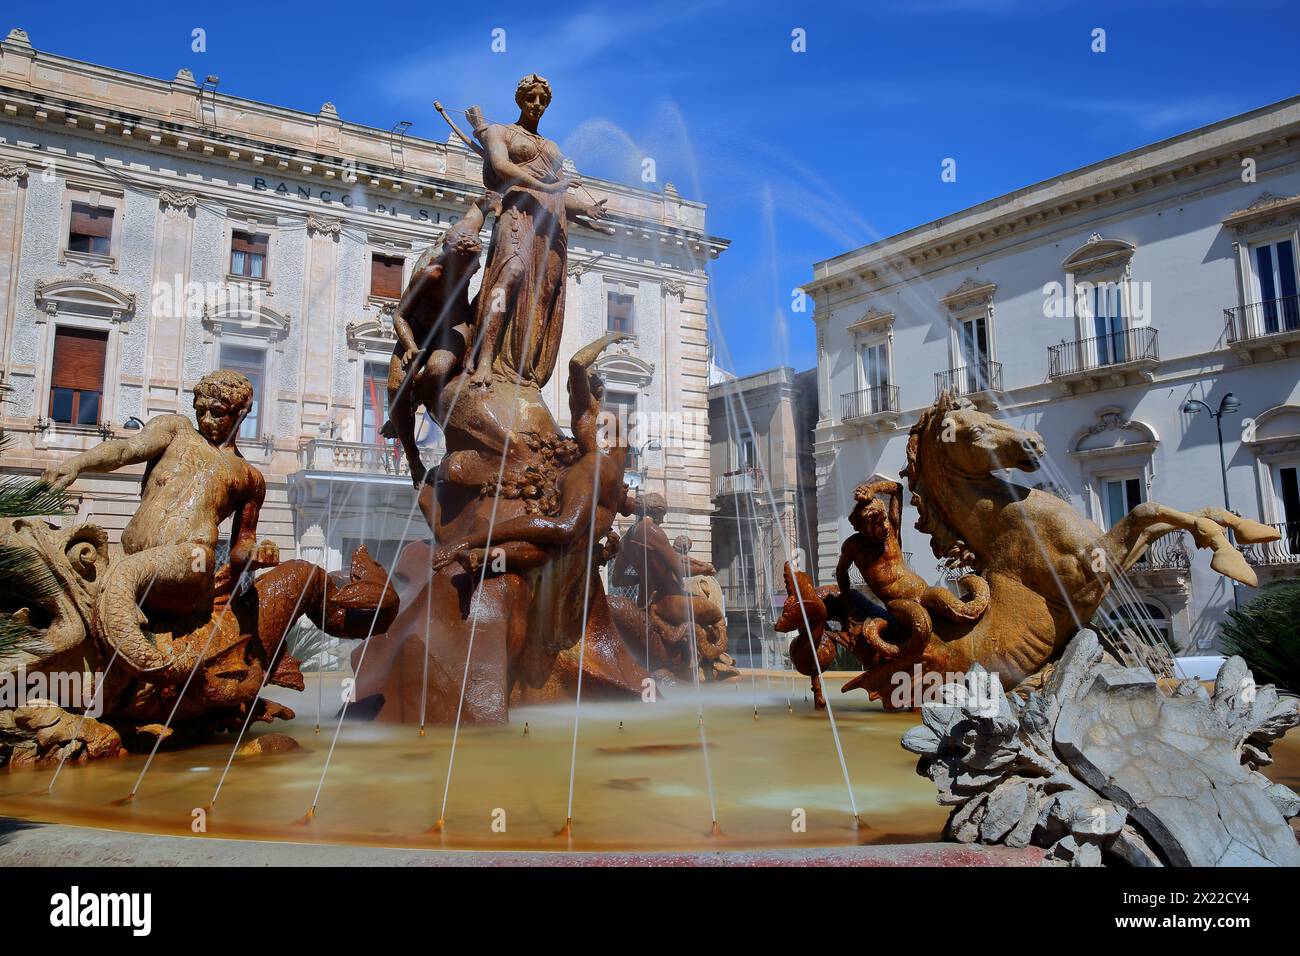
946 543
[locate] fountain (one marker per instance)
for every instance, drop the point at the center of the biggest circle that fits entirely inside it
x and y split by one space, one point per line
499 698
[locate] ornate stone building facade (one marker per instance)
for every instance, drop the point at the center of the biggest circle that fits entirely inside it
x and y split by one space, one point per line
151 231
1094 307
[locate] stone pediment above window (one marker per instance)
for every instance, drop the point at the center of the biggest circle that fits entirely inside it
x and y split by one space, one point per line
1266 212
874 321
1099 255
250 319
1275 432
375 334
971 294
624 368
84 295
1114 434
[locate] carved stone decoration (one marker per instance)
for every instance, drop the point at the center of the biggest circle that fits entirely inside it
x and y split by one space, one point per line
972 293
14 170
1098 766
674 287
1268 211
87 294
172 199
324 226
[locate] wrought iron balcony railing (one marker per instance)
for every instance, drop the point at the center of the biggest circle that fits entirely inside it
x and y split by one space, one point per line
1261 319
1286 550
970 379
327 454
1130 346
1169 553
865 402
743 481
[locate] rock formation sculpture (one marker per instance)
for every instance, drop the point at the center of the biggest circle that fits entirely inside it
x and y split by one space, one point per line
1100 766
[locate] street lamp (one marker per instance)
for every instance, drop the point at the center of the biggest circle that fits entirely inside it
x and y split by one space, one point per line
1227 406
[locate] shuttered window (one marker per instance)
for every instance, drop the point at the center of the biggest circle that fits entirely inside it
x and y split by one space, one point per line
248 254
90 229
251 363
77 376
618 308
386 276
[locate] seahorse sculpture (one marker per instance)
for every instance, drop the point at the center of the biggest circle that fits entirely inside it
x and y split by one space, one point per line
1041 569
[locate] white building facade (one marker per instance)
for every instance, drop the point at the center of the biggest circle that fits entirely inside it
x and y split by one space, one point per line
1093 308
152 231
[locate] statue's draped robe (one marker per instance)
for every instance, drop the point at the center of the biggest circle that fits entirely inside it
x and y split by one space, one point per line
530 236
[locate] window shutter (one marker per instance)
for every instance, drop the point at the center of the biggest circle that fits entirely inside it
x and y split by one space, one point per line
79 359
386 276
254 244
91 221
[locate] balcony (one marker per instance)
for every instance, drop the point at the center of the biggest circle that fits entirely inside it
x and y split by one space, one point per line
1285 552
742 481
980 382
1263 327
1164 570
744 597
1117 359
362 458
876 406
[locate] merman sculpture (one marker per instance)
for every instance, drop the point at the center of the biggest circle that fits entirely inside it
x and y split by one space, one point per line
166 627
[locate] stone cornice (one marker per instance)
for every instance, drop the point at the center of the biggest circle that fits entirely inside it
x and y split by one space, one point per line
873 321
1218 148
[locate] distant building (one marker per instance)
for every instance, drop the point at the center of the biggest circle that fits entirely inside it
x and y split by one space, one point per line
1091 307
761 427
152 231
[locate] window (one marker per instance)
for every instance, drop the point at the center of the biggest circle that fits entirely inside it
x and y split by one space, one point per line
248 254
618 311
1274 286
374 401
251 363
875 376
1120 496
77 376
90 229
746 454
973 341
386 276
1288 485
1107 308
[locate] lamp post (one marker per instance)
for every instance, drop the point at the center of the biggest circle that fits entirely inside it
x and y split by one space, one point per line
1227 406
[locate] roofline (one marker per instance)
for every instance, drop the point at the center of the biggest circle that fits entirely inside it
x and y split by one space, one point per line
1063 184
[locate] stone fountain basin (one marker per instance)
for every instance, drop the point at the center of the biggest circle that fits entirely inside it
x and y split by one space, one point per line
640 792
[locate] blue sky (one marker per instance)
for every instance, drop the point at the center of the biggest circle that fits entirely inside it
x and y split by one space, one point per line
800 156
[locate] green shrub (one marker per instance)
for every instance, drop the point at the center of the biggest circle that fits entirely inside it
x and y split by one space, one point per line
1266 633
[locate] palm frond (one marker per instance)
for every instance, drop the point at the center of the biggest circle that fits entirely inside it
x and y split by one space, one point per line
16 636
29 497
22 564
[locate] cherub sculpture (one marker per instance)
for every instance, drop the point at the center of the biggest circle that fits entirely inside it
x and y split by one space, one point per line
433 323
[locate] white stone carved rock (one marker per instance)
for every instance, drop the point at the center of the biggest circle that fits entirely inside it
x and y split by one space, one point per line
1099 765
